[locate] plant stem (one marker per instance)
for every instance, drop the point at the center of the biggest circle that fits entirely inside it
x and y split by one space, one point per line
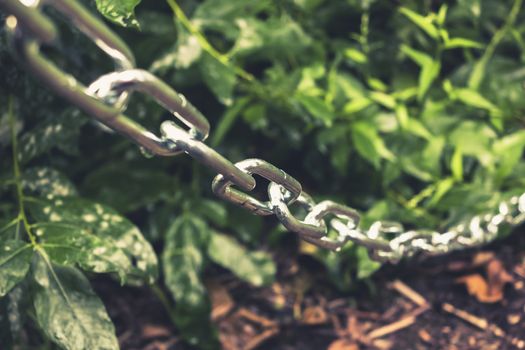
165 301
17 177
478 72
205 44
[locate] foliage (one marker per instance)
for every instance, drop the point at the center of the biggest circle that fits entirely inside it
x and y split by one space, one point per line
412 113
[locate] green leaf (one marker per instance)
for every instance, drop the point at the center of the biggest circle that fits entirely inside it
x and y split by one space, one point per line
441 188
186 52
68 310
463 43
425 23
317 107
475 99
442 14
509 151
127 186
429 68
183 262
427 76
369 144
15 258
68 244
383 99
474 139
47 182
55 132
420 58
356 105
219 78
256 268
456 164
119 11
365 266
213 211
356 55
105 223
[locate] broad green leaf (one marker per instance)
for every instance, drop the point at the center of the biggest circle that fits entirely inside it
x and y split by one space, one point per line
55 132
185 53
256 268
15 258
250 37
119 11
377 84
68 244
509 151
429 68
105 223
420 58
415 127
213 211
365 266
383 99
183 262
47 182
442 14
474 139
456 164
402 115
317 107
67 309
351 87
219 78
441 189
462 43
474 99
369 144
356 55
356 105
127 186
427 76
308 85
425 23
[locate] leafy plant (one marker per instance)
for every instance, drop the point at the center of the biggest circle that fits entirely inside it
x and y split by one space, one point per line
412 113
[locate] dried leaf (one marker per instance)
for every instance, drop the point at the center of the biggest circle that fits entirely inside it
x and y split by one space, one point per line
343 344
151 331
478 287
314 315
221 301
489 290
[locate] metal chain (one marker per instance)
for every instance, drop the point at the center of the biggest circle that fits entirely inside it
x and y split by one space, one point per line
106 100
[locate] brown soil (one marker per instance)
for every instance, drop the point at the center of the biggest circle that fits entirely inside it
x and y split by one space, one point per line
418 304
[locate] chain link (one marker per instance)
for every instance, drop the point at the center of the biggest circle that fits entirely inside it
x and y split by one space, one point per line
106 99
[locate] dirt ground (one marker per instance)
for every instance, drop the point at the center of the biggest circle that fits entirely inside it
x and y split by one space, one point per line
466 300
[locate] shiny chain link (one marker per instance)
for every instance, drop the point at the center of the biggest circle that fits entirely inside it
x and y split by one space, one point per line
106 100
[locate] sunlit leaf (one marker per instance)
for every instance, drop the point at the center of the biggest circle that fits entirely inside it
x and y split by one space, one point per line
219 78
462 43
47 182
119 11
15 257
68 310
369 144
68 244
425 23
105 223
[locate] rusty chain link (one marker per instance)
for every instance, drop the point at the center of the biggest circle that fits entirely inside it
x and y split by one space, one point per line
106 100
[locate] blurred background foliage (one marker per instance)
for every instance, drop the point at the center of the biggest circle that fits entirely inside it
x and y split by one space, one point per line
405 110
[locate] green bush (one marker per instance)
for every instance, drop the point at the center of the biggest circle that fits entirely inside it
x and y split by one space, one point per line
412 113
